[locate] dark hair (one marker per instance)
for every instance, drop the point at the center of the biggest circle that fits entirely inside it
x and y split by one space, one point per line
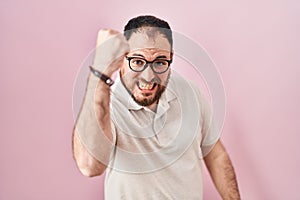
162 26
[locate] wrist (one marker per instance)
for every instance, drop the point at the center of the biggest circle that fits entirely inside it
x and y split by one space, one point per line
104 68
103 76
94 83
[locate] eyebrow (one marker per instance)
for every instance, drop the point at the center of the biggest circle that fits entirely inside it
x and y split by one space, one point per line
140 55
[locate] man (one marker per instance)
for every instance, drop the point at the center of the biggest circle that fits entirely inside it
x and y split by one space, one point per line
151 129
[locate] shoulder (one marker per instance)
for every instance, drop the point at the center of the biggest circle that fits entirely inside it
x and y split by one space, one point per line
187 91
182 85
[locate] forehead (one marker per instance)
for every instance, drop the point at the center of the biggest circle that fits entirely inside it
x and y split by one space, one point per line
148 39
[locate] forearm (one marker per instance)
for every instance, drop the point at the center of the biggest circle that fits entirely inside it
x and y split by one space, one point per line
87 164
222 173
93 129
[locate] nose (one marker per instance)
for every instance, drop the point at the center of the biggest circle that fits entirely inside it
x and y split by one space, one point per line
148 74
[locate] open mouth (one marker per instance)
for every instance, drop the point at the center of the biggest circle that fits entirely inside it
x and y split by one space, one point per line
146 86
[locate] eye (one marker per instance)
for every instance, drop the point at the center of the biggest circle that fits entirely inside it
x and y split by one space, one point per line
138 62
160 63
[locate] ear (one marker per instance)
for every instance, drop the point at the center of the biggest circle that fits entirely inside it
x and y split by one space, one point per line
171 54
123 66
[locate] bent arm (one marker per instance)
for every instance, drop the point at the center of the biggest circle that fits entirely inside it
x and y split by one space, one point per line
92 136
222 173
93 122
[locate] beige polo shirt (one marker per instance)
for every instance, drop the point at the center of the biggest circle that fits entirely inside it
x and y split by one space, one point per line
157 155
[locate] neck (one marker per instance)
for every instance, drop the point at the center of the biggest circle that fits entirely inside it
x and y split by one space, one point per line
153 106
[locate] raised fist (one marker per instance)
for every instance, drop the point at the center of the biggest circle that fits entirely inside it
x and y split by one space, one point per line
111 48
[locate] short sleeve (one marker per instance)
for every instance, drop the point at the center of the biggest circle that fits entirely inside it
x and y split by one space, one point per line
209 132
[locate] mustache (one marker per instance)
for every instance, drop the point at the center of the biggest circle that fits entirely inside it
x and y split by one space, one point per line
154 80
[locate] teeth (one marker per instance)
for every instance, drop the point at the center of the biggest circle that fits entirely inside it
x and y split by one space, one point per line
146 86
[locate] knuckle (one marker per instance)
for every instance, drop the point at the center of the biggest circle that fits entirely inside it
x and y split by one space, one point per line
113 32
102 31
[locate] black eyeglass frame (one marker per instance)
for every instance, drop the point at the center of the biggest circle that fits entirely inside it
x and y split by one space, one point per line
149 63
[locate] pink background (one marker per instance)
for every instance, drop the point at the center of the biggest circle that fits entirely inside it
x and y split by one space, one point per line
255 45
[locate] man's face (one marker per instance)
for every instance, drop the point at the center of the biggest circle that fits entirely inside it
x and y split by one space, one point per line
146 86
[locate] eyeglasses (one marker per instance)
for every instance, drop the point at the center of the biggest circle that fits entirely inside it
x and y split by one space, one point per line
158 66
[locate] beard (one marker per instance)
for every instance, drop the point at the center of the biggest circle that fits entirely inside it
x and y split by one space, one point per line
149 101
